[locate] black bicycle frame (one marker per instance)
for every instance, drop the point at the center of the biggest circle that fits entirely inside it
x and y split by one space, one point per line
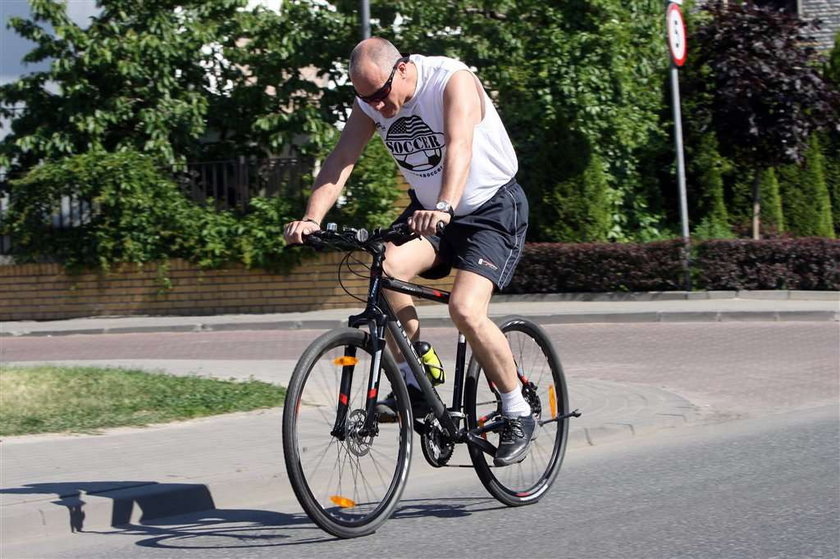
379 317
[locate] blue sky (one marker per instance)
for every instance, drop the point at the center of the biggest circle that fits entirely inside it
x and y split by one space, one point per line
13 47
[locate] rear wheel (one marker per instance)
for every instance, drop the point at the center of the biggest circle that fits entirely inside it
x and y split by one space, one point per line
346 479
544 387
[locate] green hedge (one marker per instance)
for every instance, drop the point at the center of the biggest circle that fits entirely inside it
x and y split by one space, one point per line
805 263
810 263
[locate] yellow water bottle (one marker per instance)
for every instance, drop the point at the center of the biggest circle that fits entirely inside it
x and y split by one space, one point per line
431 362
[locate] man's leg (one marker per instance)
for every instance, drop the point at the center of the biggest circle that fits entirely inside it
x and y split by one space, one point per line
468 307
405 262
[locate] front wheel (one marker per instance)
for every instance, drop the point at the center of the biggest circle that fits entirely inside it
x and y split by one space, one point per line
346 477
544 387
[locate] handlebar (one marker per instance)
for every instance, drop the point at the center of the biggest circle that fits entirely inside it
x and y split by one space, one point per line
349 238
359 239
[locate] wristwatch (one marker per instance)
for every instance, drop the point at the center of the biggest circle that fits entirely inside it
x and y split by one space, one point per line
444 206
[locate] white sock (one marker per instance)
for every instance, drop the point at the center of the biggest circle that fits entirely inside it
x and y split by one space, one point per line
408 375
514 405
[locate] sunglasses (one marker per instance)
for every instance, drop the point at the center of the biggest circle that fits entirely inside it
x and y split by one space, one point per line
383 91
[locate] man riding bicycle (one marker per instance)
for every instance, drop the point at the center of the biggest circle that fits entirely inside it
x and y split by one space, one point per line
452 148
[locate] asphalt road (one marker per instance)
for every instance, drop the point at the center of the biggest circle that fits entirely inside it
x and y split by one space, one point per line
760 487
761 479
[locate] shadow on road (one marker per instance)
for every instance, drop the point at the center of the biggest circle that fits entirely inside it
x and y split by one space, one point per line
150 498
181 515
238 529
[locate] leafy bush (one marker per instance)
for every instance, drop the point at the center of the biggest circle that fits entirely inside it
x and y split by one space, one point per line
597 267
805 263
136 214
130 213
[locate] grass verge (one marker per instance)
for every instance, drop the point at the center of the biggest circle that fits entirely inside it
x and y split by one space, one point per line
54 399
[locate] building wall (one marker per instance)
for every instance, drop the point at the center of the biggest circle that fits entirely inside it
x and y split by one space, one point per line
48 292
828 11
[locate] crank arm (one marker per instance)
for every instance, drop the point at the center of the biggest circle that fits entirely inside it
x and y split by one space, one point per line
482 444
576 413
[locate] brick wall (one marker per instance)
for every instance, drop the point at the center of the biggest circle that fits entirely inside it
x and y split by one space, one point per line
47 292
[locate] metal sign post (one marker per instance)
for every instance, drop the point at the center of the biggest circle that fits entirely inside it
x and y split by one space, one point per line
677 46
364 17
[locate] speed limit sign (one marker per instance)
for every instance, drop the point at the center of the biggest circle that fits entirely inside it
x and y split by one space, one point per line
676 34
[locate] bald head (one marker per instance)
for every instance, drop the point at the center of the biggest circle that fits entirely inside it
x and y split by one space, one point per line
373 57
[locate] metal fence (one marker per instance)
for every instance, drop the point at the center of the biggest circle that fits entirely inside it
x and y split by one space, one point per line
232 183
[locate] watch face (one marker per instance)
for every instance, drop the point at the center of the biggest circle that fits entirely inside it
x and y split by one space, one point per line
442 206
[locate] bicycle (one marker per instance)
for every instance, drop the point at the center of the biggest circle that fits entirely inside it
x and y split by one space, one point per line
347 469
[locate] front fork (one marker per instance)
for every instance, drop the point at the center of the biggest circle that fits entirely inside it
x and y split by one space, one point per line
377 336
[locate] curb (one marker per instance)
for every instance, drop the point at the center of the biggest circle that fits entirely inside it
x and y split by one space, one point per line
337 317
570 318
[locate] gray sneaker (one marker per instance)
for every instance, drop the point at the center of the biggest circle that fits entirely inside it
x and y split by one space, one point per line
515 440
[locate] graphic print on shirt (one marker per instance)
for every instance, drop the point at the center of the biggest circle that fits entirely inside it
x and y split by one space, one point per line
415 146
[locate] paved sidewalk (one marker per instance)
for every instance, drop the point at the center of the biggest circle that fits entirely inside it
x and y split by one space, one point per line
51 485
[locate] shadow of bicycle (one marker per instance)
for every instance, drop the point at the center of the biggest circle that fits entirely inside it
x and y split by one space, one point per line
242 529
184 516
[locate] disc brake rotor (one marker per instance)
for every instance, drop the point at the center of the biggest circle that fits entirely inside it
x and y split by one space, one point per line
357 444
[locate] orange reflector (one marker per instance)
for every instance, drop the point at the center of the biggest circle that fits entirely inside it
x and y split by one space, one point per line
343 502
346 360
552 401
481 423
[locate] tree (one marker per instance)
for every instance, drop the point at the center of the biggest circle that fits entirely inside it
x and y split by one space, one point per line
708 168
830 139
765 94
774 214
805 195
135 78
179 79
173 81
572 80
282 85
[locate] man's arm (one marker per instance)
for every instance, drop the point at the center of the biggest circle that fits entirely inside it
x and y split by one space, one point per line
333 175
462 106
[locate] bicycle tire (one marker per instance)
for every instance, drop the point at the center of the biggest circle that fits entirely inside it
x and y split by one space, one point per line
329 476
528 481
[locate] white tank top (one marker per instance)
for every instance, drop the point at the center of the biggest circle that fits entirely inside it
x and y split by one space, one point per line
415 138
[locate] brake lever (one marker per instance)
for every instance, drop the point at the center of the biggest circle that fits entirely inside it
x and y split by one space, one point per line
401 234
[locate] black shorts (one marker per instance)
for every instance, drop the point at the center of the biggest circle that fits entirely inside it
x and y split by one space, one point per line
488 242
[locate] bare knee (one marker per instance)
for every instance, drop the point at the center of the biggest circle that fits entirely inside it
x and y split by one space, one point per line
468 303
466 315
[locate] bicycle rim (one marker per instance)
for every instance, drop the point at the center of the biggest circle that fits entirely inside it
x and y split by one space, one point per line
348 487
536 360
